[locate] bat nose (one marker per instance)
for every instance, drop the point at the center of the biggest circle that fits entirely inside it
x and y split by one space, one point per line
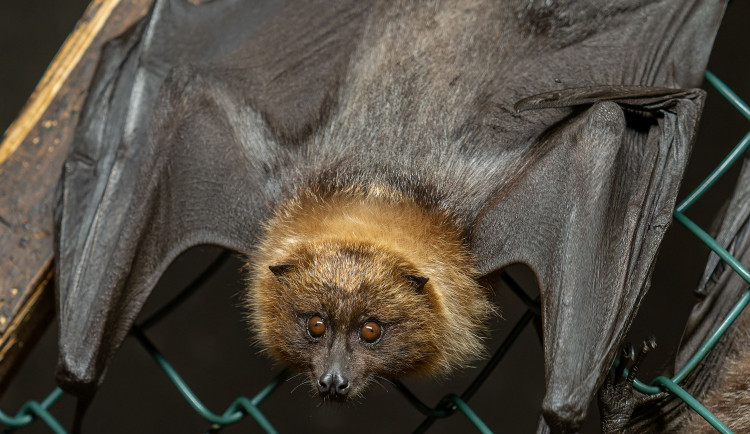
333 383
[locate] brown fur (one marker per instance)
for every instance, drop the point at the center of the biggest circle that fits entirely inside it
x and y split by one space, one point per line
351 250
730 399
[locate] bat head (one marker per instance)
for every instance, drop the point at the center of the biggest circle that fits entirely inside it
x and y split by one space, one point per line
363 284
347 314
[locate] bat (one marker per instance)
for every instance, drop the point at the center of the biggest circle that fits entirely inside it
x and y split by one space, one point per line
719 381
430 144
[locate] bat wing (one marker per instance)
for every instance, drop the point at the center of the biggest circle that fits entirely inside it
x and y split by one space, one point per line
588 215
589 208
721 287
176 148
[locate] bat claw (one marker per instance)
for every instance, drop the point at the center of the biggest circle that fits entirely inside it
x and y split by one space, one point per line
617 397
647 345
627 357
628 351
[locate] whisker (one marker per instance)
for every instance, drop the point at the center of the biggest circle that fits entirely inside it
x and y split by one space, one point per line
294 376
378 377
360 398
375 380
306 381
383 378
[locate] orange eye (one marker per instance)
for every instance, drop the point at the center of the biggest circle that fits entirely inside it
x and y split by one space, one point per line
370 331
316 327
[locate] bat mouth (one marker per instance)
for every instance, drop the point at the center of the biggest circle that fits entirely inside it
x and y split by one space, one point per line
333 397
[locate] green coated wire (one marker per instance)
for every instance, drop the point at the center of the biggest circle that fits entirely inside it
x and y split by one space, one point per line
713 245
727 93
672 387
735 154
439 410
17 421
738 150
469 413
713 339
235 411
653 389
32 410
418 404
527 317
42 413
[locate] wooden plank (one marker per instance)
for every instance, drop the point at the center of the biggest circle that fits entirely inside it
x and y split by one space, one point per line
57 73
25 328
32 152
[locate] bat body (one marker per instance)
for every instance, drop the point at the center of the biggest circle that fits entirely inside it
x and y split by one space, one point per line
727 394
373 159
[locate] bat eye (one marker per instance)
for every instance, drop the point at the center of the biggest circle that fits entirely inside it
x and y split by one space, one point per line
370 331
316 327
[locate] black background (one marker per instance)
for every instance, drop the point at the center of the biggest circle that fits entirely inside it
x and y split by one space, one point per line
207 341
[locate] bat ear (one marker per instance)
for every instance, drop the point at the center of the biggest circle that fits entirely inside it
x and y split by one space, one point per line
281 269
417 282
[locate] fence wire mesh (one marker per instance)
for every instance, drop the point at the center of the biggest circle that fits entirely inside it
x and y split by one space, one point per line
450 404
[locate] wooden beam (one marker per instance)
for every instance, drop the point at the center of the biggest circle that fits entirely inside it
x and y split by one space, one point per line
97 14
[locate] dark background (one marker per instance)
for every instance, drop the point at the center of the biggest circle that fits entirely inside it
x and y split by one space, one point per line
207 341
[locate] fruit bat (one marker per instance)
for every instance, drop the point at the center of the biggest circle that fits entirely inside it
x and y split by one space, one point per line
719 381
549 134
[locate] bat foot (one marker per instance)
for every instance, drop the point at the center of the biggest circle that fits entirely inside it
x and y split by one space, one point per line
617 397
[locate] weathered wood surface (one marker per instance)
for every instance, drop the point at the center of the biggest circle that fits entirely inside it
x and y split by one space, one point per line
32 152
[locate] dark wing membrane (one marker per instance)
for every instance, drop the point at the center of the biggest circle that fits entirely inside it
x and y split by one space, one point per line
590 206
93 154
588 217
199 178
174 149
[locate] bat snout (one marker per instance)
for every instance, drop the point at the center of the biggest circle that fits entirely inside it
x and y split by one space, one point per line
333 384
